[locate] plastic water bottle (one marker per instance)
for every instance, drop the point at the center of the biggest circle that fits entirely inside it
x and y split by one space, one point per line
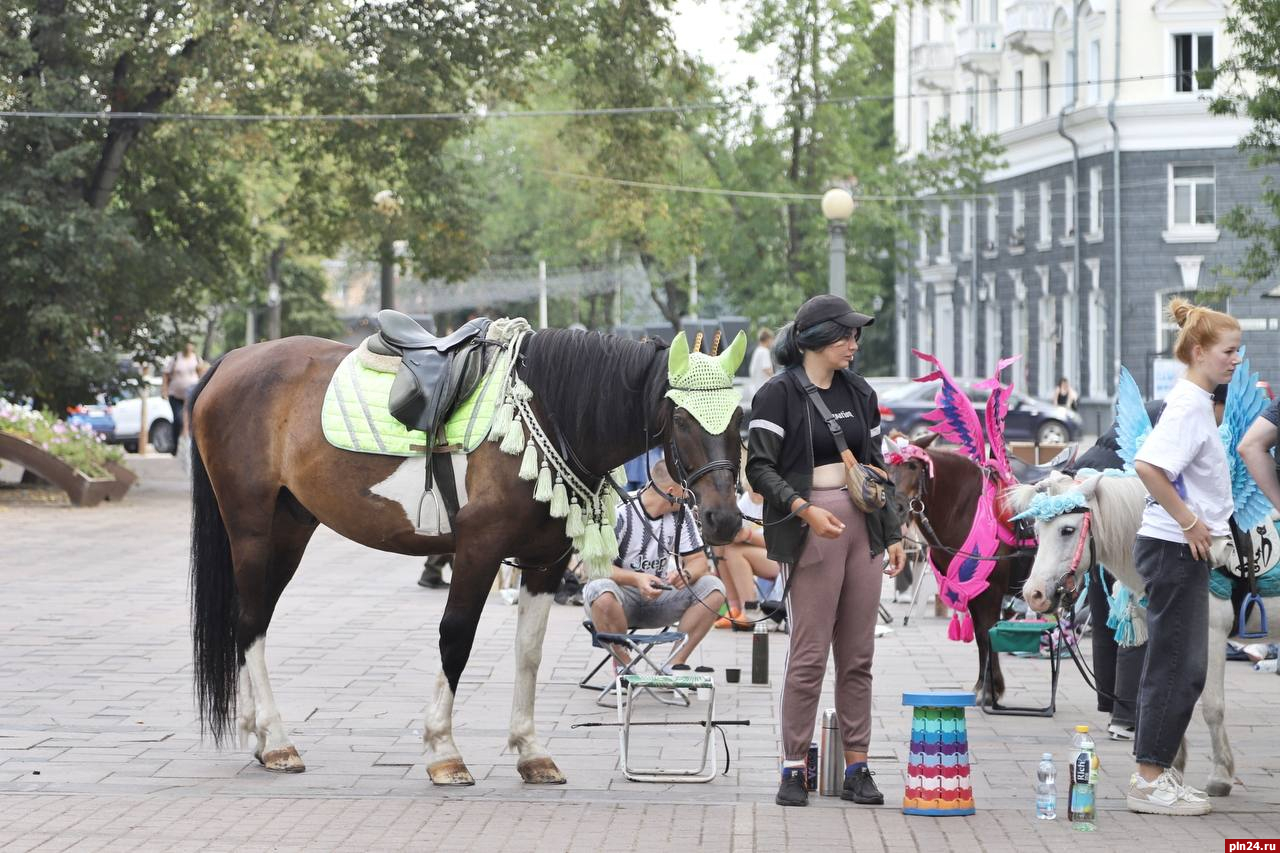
1083 812
1046 789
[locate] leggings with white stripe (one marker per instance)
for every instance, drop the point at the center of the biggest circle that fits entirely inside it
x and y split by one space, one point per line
831 606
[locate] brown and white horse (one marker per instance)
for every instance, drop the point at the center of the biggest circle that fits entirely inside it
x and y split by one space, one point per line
264 477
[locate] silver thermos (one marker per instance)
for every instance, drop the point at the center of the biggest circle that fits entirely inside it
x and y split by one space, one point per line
830 756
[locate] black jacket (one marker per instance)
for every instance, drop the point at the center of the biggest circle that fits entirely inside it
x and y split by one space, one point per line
780 460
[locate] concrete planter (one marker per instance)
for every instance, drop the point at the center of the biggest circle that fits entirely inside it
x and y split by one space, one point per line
82 490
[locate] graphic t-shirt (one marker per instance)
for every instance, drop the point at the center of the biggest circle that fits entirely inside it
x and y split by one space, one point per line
839 399
646 544
1185 444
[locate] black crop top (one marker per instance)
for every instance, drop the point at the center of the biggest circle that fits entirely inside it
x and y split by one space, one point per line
839 399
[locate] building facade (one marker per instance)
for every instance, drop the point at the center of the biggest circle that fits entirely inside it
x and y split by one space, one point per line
1108 204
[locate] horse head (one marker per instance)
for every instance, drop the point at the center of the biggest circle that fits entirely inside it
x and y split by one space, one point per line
703 442
911 473
1062 509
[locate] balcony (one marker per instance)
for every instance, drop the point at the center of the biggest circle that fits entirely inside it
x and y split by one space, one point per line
979 48
933 64
1028 26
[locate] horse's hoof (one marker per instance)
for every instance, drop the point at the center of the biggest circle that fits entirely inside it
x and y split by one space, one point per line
450 771
1218 789
540 771
283 760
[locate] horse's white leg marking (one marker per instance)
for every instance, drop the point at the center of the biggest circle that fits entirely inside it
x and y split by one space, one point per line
444 763
1213 702
246 709
535 764
274 749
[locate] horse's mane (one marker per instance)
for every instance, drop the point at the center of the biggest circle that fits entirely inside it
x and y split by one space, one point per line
601 389
1116 503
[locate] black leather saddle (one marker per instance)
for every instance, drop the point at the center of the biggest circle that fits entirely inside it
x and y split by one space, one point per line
1031 474
436 373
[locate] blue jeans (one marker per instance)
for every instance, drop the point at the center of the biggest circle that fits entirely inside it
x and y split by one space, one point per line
1177 646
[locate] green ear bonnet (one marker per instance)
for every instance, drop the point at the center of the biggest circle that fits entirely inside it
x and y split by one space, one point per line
702 384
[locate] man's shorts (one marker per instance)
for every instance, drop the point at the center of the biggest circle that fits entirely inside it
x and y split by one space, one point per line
666 609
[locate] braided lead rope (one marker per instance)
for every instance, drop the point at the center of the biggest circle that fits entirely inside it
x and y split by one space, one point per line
549 454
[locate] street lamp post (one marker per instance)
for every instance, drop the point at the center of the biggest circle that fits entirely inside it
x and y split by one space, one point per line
387 204
837 206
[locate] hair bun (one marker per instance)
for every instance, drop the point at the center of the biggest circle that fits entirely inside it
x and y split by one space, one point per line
1180 310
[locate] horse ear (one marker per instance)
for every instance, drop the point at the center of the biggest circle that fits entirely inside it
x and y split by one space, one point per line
678 355
731 359
1089 487
924 441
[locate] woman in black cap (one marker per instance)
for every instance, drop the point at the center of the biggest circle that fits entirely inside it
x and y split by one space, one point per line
833 577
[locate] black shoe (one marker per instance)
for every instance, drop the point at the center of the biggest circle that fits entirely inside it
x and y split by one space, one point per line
860 788
432 578
792 791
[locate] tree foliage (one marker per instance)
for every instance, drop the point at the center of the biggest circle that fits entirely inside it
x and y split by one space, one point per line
1250 86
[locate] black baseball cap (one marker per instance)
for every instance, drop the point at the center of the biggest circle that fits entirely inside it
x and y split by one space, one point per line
820 309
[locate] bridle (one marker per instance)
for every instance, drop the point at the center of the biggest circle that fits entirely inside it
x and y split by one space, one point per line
1073 570
919 516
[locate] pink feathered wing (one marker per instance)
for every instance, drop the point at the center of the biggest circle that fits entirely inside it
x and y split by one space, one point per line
954 418
997 409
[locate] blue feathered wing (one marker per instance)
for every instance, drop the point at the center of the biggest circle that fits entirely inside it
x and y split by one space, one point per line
1245 402
1133 424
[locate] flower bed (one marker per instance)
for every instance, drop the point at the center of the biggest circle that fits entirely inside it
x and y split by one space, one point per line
76 445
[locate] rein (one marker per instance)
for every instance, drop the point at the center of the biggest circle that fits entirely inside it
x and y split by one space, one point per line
918 513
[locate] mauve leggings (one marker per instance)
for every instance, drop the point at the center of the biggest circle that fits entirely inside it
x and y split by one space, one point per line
832 603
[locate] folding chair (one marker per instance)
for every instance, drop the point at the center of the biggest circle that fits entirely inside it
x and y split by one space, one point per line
1024 636
640 645
627 685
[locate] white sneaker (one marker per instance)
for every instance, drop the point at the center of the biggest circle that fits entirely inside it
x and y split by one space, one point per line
1163 796
1189 791
1116 731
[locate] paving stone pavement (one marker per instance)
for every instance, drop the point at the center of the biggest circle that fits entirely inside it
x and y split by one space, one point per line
100 748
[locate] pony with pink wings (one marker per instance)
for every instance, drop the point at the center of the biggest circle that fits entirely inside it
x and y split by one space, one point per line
963 573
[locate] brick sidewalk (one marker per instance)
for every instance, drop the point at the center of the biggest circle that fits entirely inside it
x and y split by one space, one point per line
99 747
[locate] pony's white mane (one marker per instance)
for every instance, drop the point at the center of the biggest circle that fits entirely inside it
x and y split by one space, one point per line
1116 504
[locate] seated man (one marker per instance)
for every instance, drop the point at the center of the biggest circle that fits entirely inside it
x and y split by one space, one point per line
644 590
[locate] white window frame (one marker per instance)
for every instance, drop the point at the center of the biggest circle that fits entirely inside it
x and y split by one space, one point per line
993 105
1046 340
923 239
992 244
924 122
1019 220
1046 93
944 332
1098 328
1095 203
990 321
924 318
1046 216
1068 208
1171 46
971 106
1017 97
1068 319
966 229
1019 323
944 233
963 300
1180 232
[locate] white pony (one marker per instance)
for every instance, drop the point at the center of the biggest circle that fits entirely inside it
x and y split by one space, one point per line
1112 507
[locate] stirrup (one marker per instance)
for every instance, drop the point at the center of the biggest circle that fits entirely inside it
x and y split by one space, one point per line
1251 600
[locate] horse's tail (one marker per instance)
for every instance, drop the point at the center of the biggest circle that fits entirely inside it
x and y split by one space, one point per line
214 602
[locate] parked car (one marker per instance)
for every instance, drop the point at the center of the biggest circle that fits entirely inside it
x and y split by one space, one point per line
903 407
117 419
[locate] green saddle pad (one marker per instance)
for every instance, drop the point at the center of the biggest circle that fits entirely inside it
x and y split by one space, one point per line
355 415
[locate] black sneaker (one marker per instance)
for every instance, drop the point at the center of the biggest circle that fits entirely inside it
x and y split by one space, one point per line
860 788
792 791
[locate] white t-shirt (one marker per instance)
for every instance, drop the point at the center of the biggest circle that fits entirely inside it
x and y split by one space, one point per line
1185 444
646 544
760 362
752 512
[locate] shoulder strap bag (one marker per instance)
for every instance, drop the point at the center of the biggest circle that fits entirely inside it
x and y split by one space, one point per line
867 484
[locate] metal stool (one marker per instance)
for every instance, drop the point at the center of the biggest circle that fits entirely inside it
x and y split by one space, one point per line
1023 636
626 684
938 764
640 645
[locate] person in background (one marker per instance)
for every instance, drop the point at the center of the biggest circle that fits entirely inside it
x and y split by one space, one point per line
1064 395
433 572
744 560
180 375
1184 467
761 367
